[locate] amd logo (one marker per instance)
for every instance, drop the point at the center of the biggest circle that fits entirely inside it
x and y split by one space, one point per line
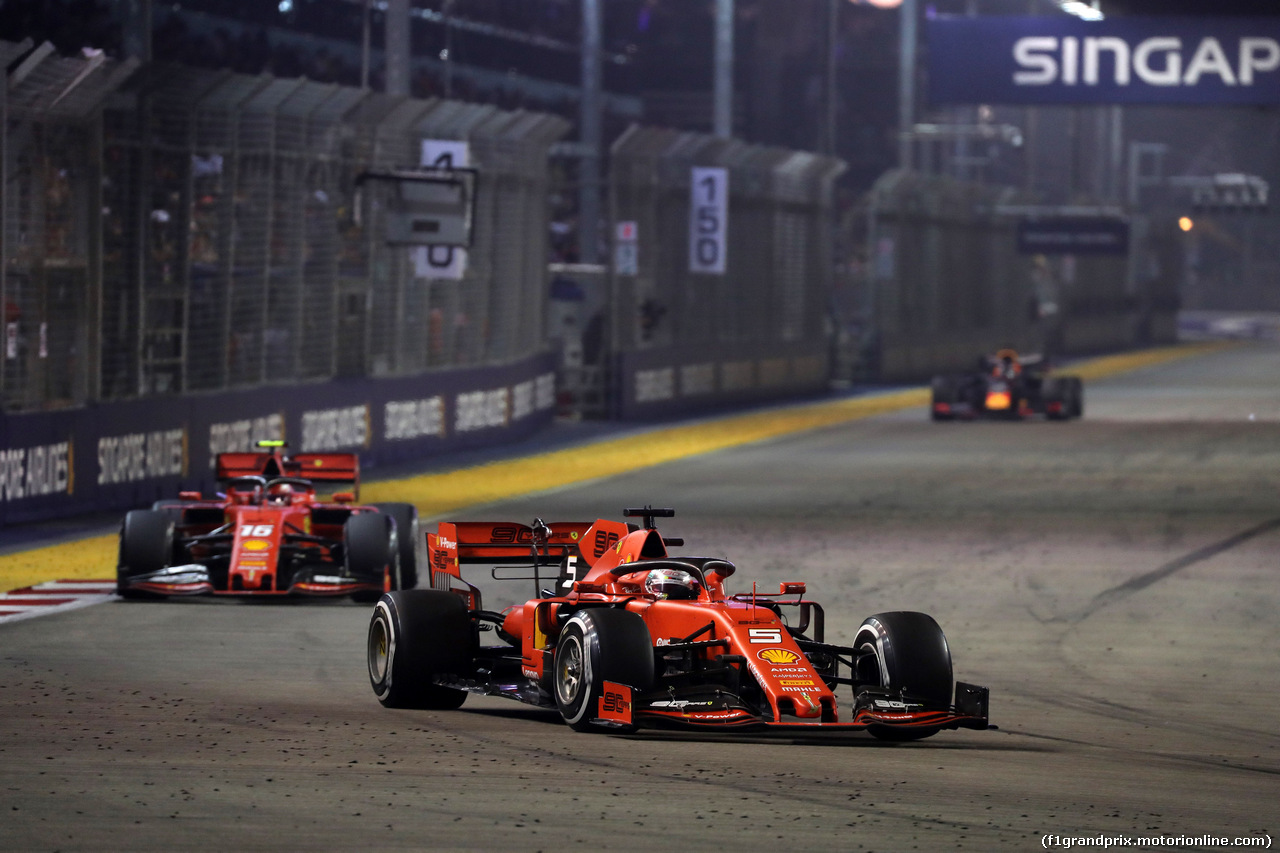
1155 61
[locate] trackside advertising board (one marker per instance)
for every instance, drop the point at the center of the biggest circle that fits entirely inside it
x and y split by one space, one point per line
1136 60
126 454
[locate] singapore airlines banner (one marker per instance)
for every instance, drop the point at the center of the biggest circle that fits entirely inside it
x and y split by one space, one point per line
1064 60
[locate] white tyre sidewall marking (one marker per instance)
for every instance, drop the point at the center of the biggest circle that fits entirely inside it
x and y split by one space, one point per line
383 612
583 621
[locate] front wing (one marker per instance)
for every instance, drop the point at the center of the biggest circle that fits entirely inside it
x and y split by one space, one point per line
196 579
620 706
872 708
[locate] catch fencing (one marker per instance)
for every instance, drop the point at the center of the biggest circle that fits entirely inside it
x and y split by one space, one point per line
942 279
191 260
698 316
170 230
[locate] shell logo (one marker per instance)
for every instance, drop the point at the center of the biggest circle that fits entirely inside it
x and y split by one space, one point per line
255 545
778 656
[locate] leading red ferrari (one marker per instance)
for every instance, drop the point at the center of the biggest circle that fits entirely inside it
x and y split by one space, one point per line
628 634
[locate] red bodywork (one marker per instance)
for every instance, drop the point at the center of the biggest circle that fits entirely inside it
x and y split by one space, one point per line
783 673
269 532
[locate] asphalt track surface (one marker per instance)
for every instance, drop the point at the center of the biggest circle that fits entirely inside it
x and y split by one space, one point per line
1114 581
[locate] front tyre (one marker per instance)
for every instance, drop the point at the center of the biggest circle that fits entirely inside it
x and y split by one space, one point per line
596 646
146 546
415 636
905 651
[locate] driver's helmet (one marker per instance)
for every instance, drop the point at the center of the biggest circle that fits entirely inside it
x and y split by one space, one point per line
280 493
1007 365
671 584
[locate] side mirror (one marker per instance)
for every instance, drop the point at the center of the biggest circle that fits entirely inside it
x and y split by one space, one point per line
717 570
344 498
190 496
791 588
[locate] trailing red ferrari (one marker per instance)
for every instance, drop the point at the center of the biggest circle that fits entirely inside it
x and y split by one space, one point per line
268 532
628 635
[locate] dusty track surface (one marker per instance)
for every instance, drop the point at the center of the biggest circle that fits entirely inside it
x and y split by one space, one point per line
1115 581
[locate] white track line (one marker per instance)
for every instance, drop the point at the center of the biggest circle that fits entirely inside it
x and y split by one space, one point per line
53 597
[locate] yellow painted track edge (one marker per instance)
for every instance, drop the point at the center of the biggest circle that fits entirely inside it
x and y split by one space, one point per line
436 494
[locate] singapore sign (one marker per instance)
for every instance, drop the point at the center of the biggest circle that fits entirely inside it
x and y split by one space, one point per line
1063 60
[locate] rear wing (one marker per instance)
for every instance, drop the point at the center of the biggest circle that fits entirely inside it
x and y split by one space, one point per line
502 543
333 471
1029 360
573 546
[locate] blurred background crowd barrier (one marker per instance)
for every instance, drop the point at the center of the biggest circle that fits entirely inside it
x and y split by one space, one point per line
170 230
950 270
191 256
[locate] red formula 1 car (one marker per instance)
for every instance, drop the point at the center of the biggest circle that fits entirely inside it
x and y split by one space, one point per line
269 533
629 635
1006 385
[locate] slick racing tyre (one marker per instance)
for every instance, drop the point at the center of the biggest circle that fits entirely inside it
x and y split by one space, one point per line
1075 406
908 653
170 510
407 538
146 546
416 635
945 390
595 646
372 551
1057 399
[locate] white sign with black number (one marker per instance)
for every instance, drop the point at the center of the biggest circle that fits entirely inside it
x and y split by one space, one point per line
442 261
708 220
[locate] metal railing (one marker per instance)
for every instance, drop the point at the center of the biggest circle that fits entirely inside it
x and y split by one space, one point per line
170 230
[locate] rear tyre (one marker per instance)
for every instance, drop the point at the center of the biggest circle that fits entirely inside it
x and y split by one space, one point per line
596 646
910 654
407 538
416 636
371 552
945 390
1057 391
1077 396
146 546
171 511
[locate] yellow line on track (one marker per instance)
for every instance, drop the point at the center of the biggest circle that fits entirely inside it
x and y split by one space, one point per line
452 491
